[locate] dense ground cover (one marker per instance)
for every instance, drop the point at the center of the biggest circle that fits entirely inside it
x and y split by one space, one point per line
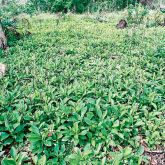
81 91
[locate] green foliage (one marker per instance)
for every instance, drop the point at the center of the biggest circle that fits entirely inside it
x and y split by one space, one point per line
82 91
136 14
16 159
78 5
15 28
156 20
33 6
10 9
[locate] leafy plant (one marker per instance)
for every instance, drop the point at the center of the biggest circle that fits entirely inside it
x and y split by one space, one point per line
136 14
83 91
16 158
78 5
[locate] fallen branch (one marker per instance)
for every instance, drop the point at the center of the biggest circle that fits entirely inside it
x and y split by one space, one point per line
155 152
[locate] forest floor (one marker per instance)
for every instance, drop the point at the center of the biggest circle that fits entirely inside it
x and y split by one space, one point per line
80 90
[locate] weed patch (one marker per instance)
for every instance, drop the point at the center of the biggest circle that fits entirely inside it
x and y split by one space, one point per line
82 91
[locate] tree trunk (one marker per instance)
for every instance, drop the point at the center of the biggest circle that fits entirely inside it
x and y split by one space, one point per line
3 39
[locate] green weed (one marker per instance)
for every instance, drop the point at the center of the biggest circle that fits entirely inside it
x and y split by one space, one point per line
83 92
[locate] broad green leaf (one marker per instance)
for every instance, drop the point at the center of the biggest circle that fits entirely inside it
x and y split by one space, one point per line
22 156
34 138
87 152
87 147
98 109
140 150
116 123
98 149
87 121
99 113
63 148
8 161
65 138
139 123
75 126
120 135
48 143
35 159
34 129
42 160
13 152
127 151
3 135
84 132
8 141
103 162
56 148
83 111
